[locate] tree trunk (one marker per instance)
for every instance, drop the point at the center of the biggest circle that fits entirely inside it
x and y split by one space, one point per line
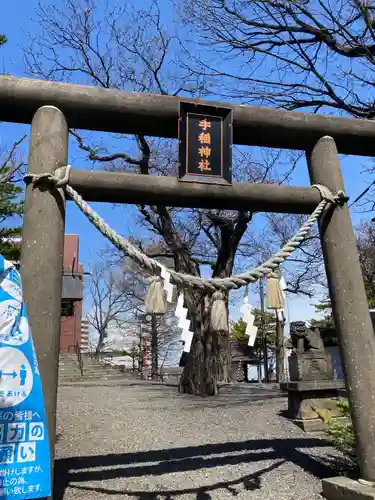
280 375
209 350
259 367
154 348
100 344
201 372
200 375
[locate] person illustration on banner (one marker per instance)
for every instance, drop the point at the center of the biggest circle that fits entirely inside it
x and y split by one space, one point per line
23 374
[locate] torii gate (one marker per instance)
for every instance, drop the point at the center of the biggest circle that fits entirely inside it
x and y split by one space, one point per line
53 107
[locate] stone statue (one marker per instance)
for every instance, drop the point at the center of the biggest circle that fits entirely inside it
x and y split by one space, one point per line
311 383
304 340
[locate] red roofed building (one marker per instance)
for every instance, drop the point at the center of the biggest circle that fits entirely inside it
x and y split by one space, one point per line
72 296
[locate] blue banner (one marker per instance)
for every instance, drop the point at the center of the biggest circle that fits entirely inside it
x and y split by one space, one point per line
24 448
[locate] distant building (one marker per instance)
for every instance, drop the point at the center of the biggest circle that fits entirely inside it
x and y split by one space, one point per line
71 296
85 348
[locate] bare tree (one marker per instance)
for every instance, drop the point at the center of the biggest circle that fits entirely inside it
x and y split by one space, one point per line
131 49
366 250
11 204
162 332
132 285
297 55
12 166
111 302
304 270
313 54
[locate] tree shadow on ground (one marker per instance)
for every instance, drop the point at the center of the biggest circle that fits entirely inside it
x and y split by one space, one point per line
70 471
251 482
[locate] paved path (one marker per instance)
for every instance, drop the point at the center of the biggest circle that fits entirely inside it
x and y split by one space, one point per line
136 440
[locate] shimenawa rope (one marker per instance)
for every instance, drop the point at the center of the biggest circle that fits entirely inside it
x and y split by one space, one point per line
61 179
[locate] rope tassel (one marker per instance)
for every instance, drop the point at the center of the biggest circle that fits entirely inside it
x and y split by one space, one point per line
219 313
155 300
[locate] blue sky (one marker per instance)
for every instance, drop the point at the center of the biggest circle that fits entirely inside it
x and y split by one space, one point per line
16 23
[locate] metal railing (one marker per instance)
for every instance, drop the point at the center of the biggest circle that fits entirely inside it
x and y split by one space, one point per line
79 358
77 349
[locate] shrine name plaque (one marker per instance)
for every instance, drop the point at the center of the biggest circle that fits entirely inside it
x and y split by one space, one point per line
205 143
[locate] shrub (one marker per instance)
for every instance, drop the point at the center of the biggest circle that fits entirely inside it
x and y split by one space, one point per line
340 432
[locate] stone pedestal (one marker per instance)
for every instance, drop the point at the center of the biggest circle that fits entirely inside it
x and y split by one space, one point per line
310 366
311 389
343 488
305 397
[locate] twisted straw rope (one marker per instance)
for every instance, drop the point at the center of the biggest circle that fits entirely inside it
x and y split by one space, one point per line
61 179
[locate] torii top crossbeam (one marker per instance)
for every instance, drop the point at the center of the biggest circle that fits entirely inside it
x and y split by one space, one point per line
113 110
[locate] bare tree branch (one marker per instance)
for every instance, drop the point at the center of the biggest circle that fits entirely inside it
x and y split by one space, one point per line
291 54
10 172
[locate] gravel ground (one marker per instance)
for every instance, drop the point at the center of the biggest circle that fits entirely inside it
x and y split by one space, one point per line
138 440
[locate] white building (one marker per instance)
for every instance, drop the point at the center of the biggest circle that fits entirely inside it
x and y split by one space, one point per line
85 336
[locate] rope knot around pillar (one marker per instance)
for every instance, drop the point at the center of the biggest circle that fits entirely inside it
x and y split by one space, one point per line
341 198
338 199
59 178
